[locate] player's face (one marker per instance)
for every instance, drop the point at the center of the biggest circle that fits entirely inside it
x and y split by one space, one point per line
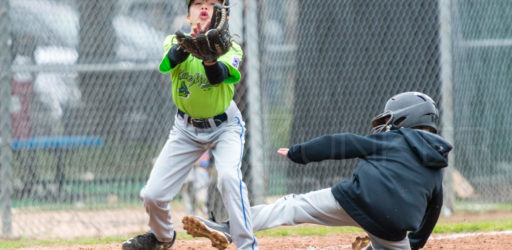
201 11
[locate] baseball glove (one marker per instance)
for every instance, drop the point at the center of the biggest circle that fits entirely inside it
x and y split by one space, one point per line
215 42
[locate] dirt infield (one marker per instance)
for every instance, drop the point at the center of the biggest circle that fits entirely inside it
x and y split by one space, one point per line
500 240
492 240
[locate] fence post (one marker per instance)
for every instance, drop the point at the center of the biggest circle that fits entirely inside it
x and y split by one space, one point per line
6 150
445 31
252 60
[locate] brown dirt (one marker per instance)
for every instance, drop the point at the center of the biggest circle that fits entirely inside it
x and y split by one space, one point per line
496 240
473 241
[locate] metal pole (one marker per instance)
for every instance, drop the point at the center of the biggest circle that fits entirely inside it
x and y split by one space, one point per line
445 31
254 98
6 150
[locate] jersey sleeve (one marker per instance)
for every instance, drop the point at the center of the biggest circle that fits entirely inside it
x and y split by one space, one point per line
165 65
334 147
232 60
419 238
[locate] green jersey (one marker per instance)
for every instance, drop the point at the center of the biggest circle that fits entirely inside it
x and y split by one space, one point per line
192 92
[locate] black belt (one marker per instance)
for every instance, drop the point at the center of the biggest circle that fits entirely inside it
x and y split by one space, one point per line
204 122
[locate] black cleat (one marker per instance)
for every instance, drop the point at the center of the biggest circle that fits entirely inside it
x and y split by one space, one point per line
218 233
147 241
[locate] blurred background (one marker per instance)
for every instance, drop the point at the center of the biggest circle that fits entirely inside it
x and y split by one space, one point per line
84 110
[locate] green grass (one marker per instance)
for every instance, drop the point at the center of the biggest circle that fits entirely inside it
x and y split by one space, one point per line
19 243
85 241
484 226
306 230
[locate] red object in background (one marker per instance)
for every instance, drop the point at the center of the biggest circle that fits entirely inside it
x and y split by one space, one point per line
22 91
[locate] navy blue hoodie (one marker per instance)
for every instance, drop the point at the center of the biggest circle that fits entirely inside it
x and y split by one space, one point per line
396 186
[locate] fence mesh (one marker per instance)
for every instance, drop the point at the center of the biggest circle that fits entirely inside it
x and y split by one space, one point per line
482 48
90 112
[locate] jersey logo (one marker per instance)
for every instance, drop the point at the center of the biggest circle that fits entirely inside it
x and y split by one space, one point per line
183 90
188 81
236 61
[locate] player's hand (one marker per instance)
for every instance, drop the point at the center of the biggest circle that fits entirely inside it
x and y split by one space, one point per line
199 30
283 151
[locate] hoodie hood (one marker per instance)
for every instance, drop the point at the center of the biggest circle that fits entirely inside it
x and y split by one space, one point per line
431 149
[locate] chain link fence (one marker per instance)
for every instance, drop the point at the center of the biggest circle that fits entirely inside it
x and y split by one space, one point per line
89 111
482 46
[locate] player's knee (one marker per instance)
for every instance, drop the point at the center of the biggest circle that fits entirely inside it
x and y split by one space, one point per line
152 199
225 179
148 198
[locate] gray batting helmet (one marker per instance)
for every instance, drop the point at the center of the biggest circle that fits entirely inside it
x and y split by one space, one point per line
408 110
189 2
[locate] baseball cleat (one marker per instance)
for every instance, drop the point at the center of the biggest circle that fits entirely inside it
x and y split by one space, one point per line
147 241
361 243
218 233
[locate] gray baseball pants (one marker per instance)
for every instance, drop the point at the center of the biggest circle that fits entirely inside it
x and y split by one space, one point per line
317 207
184 147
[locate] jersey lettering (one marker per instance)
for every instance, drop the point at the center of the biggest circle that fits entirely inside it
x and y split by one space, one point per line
196 79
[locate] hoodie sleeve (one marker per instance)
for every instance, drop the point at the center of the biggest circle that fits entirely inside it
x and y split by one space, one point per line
337 146
419 238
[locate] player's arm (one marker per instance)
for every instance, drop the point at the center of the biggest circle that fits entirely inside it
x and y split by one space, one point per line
173 56
337 146
176 55
419 238
216 72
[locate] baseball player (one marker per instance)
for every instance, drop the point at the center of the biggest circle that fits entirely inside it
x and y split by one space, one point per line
207 119
396 187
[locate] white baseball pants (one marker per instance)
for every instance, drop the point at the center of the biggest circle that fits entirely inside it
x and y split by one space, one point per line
317 207
184 147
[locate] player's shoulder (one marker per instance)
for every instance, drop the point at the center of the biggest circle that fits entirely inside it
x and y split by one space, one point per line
236 49
170 40
235 44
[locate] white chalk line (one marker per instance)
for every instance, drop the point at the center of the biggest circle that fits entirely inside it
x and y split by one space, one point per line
440 237
462 235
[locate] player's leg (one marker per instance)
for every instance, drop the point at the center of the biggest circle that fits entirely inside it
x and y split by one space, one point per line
379 243
317 207
228 156
166 178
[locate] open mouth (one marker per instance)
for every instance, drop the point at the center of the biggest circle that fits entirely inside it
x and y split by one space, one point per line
203 15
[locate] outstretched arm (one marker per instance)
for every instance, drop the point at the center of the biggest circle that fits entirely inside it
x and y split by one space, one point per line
337 146
283 151
216 72
177 55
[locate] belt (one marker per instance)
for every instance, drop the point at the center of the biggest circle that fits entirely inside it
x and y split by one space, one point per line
204 122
